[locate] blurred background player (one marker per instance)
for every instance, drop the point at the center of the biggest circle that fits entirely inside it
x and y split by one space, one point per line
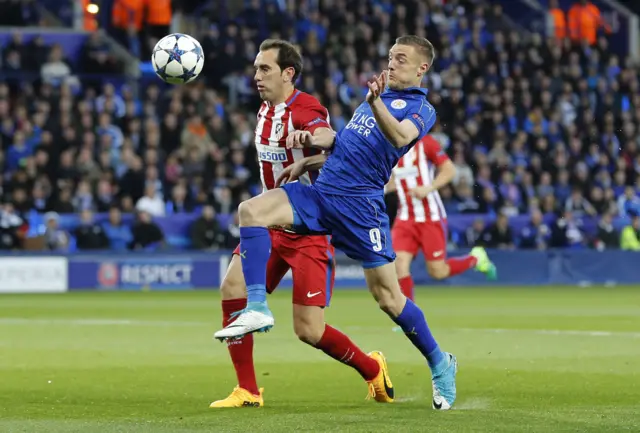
421 222
311 258
348 201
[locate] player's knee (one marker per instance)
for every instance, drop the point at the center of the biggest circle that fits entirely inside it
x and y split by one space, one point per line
232 288
438 271
390 300
248 213
308 331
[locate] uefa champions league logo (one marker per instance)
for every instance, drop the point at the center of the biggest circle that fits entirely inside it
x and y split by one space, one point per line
108 275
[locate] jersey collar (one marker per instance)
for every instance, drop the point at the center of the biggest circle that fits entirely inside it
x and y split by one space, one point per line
292 98
419 90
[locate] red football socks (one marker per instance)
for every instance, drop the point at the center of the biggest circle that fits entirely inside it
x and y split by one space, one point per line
406 285
338 346
461 264
241 350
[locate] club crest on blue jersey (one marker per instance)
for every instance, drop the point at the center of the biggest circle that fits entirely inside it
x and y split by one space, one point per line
398 104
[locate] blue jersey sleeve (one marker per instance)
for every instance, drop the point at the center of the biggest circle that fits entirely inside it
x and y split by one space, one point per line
423 116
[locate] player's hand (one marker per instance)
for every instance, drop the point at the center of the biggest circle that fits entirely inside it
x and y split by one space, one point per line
291 173
421 192
299 139
376 86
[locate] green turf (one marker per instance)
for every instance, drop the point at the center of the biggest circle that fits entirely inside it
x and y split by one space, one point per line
536 360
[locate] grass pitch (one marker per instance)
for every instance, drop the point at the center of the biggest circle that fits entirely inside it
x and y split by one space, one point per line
536 360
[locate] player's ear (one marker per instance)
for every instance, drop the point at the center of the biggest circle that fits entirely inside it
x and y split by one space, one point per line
422 70
287 75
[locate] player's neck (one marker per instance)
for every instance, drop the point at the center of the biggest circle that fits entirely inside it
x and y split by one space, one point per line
406 86
285 95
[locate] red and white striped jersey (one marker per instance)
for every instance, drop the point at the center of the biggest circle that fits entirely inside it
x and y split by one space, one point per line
300 112
418 168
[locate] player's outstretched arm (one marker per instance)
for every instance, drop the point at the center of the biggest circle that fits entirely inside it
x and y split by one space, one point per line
322 138
297 169
446 173
400 134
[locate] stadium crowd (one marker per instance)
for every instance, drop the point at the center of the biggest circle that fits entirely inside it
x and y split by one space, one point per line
534 124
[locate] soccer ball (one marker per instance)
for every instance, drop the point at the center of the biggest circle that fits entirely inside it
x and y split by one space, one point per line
177 58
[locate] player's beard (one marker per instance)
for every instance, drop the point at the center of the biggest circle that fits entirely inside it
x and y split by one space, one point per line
395 85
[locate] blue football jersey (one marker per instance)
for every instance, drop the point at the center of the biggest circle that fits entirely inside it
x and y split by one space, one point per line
362 158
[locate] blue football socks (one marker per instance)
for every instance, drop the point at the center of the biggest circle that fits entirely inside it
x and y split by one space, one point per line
415 327
255 248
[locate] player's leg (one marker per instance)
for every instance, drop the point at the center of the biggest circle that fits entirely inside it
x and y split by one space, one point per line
313 269
361 229
272 208
406 244
382 282
433 239
267 209
234 300
484 263
310 327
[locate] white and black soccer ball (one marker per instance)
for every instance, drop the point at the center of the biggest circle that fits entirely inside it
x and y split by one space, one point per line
177 58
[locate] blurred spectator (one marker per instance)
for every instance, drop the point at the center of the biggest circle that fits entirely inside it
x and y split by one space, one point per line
536 234
119 234
104 196
630 237
127 17
584 22
232 234
146 234
83 198
11 228
205 231
63 204
90 236
629 202
474 233
557 21
56 239
151 202
566 232
607 236
158 19
578 205
465 202
498 234
56 69
96 56
180 202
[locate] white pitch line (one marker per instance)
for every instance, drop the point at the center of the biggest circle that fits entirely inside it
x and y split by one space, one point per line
134 322
97 322
559 332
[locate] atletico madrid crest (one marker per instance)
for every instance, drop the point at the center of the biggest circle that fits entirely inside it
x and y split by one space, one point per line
279 130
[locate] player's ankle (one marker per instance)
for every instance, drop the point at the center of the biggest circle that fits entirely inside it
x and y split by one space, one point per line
251 388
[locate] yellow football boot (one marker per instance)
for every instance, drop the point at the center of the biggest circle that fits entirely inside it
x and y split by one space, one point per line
380 387
240 397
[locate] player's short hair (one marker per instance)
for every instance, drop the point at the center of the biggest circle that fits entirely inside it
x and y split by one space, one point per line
288 55
422 45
